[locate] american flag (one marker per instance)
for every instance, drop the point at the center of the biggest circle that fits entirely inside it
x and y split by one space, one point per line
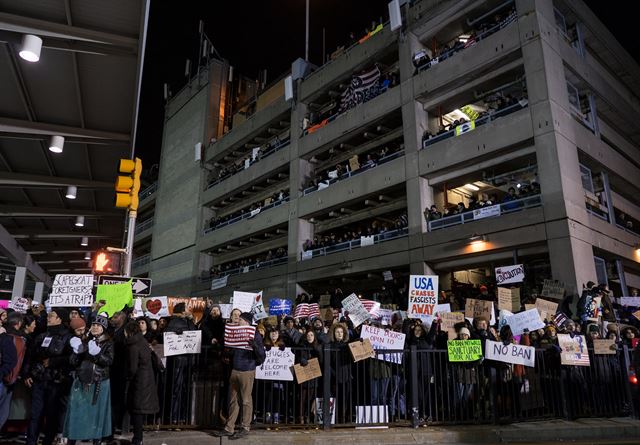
305 310
362 88
371 307
238 336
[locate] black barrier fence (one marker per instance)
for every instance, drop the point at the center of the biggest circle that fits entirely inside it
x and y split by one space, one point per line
411 387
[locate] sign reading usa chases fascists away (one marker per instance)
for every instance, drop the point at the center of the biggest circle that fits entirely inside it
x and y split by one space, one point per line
71 290
423 295
509 274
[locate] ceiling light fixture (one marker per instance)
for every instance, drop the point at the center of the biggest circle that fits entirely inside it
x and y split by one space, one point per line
72 191
477 239
30 49
85 241
56 144
79 221
472 187
87 256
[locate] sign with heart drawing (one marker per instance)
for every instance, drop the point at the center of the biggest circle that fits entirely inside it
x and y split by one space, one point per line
155 307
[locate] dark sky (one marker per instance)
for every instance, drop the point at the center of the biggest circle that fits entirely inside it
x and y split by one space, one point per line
267 34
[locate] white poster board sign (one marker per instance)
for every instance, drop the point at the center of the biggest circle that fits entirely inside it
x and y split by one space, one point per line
423 296
366 241
72 290
245 300
525 320
155 307
225 310
511 353
486 212
509 274
277 365
357 312
189 342
385 339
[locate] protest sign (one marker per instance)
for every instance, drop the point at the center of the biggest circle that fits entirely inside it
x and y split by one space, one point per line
366 241
277 365
464 350
486 212
225 310
630 301
606 347
327 314
324 300
238 337
423 295
70 290
189 342
553 289
258 308
219 283
511 353
371 306
20 304
449 320
194 305
385 339
309 372
116 297
509 274
508 299
305 310
137 308
385 316
547 309
357 312
574 350
279 306
155 307
528 307
4 304
504 314
478 308
636 314
525 320
244 300
361 350
593 307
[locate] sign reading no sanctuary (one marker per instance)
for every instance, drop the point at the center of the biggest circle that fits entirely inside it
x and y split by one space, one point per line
71 290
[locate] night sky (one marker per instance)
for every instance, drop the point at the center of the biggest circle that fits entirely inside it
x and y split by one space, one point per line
267 34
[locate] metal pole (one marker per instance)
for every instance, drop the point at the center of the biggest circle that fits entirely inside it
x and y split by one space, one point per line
306 36
324 53
130 234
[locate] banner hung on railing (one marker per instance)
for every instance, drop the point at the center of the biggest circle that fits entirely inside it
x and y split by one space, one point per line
219 283
465 128
486 212
423 296
511 353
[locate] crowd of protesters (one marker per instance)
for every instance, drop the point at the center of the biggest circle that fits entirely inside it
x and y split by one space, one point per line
246 263
256 207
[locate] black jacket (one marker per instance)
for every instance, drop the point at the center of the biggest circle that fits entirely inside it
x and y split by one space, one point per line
8 355
53 344
212 328
340 361
142 394
93 368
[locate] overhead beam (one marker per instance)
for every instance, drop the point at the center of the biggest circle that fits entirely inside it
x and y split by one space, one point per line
20 126
36 212
29 25
56 250
56 234
26 180
55 44
10 248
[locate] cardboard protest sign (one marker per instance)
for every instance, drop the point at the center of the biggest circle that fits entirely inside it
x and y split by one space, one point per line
547 309
528 307
574 350
238 337
604 347
116 297
511 353
324 300
278 306
525 320
508 299
327 314
277 365
553 289
464 350
509 274
243 300
385 339
449 320
69 290
189 342
309 372
361 350
155 307
357 312
478 308
194 305
423 296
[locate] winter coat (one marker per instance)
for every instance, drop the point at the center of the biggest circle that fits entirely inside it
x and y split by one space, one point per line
92 368
142 394
53 345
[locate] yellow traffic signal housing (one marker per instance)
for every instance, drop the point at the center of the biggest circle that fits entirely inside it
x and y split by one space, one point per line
128 183
106 262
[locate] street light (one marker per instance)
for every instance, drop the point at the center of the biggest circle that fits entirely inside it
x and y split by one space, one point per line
56 144
31 46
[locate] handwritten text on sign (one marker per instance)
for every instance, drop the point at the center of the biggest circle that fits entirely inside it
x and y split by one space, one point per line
385 339
277 365
71 290
511 353
509 274
525 320
357 312
464 350
423 295
239 337
189 342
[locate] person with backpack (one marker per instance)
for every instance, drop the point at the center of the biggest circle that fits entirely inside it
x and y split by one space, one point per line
12 350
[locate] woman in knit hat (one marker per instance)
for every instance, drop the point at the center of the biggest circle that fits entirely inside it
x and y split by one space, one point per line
78 327
89 412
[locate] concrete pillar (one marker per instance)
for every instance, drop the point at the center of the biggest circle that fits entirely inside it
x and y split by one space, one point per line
572 263
38 292
19 282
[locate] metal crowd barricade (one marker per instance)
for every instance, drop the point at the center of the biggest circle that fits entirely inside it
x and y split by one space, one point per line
416 387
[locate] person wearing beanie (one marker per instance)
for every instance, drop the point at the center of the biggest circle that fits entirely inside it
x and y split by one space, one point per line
49 377
243 373
78 327
88 416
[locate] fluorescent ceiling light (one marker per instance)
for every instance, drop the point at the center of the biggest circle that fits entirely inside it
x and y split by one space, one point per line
80 221
472 187
85 241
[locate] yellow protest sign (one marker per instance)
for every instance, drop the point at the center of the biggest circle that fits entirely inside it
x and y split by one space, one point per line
464 350
116 297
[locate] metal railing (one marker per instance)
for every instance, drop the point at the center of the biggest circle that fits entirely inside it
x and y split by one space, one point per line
148 191
143 225
410 387
141 260
246 269
350 245
363 168
267 153
628 230
245 215
478 215
491 116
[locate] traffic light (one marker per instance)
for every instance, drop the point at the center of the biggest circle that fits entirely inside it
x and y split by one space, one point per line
128 184
106 262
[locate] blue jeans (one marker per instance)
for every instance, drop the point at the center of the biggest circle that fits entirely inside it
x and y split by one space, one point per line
48 400
6 392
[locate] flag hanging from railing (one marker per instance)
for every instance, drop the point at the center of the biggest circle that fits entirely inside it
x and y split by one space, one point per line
362 88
